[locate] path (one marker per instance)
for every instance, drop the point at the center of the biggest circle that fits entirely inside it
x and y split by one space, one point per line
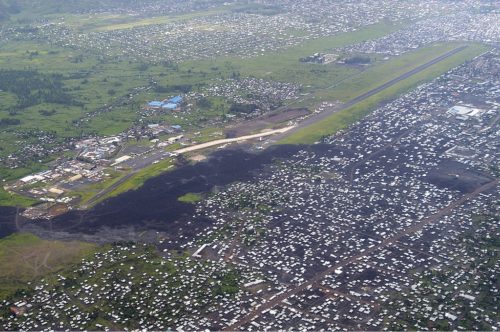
331 270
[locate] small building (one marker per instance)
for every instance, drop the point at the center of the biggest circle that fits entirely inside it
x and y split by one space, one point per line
121 160
75 178
56 191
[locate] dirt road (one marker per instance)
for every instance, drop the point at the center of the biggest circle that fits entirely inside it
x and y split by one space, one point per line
390 240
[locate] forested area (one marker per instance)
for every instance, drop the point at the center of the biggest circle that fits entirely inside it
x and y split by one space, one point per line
8 7
33 88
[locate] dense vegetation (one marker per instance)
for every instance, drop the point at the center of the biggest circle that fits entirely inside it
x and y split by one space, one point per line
242 108
33 88
8 7
357 60
83 6
257 9
9 122
176 88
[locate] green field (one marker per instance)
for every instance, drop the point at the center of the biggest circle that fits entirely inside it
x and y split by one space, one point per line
284 65
25 257
344 118
190 198
91 81
10 199
135 181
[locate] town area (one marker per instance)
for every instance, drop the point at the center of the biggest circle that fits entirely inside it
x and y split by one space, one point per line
391 224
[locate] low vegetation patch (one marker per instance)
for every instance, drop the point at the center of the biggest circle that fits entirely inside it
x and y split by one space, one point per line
25 257
190 198
348 116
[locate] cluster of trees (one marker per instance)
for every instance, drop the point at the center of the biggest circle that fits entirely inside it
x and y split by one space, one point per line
9 122
8 7
204 102
184 88
357 59
258 9
47 113
229 283
243 108
33 88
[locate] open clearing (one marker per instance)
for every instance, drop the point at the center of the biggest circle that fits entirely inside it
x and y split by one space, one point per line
25 257
284 66
190 198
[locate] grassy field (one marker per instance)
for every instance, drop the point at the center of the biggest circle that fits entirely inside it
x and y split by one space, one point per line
135 181
9 199
89 191
344 118
25 257
87 79
138 179
190 198
96 82
285 66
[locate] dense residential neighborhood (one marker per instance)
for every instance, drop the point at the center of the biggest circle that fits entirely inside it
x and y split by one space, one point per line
249 165
391 224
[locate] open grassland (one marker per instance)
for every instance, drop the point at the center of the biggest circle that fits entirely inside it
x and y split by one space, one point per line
89 191
382 73
90 82
285 66
346 117
190 198
93 82
10 199
25 257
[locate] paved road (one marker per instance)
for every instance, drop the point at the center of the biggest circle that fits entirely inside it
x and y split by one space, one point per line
143 161
140 162
109 189
390 240
323 115
232 140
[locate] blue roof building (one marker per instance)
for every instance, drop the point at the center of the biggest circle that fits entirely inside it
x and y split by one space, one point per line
155 104
175 100
170 106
